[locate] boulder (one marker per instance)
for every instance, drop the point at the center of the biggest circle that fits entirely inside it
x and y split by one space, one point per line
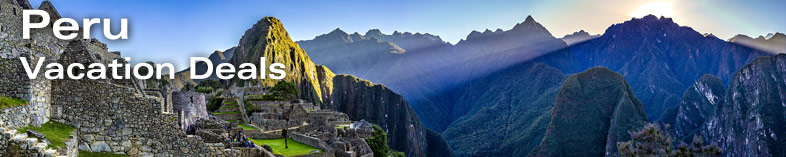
100 146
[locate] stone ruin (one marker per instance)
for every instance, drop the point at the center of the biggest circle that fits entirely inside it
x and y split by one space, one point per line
313 126
190 106
125 116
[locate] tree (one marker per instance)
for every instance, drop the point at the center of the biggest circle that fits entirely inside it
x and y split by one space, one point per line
211 83
697 148
187 87
144 70
652 141
284 90
379 143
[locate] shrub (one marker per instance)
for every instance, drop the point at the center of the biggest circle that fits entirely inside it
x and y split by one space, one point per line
206 90
214 102
187 87
284 90
211 83
265 97
652 141
379 143
251 108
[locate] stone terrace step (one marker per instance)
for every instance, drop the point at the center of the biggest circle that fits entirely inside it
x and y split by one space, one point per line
229 116
229 109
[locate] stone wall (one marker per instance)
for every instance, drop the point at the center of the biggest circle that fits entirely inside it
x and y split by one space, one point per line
16 84
190 106
311 141
113 118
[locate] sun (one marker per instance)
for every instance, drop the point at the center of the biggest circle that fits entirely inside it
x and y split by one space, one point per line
654 8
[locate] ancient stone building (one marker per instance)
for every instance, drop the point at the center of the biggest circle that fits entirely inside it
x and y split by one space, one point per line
190 106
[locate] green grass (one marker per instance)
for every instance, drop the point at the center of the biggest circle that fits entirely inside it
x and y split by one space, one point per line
341 127
56 133
247 127
230 102
233 112
230 106
96 154
295 148
6 103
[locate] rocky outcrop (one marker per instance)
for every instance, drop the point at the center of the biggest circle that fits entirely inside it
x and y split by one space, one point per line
594 110
698 103
750 122
268 38
363 100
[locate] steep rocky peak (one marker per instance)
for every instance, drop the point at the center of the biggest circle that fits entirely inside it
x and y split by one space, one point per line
356 36
529 19
374 33
778 37
579 33
740 37
530 25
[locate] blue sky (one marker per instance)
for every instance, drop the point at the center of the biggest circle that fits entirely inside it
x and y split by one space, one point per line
172 31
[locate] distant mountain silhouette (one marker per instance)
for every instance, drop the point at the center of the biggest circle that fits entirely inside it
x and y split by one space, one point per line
773 43
578 37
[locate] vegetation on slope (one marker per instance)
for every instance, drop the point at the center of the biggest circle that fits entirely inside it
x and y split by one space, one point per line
57 133
379 143
594 110
651 141
511 107
6 102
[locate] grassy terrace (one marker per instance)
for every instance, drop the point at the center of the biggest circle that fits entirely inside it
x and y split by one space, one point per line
230 102
295 148
92 154
6 102
56 133
230 106
247 127
233 112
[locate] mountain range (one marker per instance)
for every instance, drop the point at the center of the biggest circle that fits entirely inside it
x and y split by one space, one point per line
477 89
